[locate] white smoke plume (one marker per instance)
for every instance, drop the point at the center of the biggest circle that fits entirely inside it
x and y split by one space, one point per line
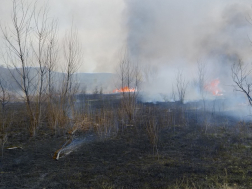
163 36
176 35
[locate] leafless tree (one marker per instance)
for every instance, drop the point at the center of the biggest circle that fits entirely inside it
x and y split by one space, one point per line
52 54
72 59
130 78
31 41
181 87
202 82
242 79
45 54
64 102
40 47
18 53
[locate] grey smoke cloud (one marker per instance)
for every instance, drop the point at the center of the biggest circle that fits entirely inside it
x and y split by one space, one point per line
163 33
171 35
186 29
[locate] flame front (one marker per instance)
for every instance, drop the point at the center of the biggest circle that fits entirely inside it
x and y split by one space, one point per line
213 87
124 89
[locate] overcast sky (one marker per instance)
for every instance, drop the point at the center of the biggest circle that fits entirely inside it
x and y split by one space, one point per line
155 32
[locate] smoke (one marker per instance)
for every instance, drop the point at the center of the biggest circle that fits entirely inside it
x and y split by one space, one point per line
173 36
173 30
163 36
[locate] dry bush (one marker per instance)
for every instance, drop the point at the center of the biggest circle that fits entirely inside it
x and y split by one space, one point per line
125 114
122 118
105 123
128 106
56 118
153 127
178 114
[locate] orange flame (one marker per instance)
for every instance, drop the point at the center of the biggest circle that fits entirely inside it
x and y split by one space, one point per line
213 87
124 90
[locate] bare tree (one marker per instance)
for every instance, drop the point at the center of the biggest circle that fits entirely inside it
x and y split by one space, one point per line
40 47
64 102
181 87
19 54
31 42
242 79
202 82
45 54
130 78
52 54
72 59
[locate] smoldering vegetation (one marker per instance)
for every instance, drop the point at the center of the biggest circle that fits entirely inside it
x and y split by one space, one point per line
176 113
161 145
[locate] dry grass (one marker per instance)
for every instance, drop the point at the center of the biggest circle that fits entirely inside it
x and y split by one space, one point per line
188 157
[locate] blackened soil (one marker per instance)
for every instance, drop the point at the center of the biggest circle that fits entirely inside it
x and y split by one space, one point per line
187 157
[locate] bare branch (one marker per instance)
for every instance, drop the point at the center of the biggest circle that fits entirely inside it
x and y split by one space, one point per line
242 79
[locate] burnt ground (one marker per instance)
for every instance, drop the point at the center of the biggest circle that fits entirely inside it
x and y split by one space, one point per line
188 157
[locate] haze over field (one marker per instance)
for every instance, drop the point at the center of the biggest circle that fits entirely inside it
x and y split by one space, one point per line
155 91
162 36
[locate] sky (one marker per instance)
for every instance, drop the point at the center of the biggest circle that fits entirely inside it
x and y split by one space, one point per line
99 24
161 35
157 32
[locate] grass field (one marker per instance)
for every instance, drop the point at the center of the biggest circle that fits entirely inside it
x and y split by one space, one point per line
185 155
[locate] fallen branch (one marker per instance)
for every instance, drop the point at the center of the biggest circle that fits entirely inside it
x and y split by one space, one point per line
58 152
14 147
71 132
